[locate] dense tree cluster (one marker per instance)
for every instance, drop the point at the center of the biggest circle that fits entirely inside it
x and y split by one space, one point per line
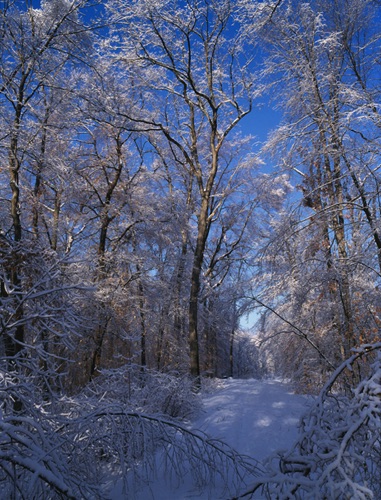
124 176
140 220
322 263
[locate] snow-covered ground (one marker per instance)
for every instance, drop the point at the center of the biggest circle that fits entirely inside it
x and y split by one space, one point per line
256 418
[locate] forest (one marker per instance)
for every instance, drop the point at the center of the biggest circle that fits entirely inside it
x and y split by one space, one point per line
171 171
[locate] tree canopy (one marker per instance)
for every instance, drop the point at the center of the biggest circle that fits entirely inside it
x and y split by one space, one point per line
141 220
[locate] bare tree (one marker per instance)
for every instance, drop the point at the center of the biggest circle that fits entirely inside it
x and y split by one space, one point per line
191 65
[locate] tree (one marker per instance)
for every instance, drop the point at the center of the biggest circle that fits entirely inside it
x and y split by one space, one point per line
315 52
36 48
190 64
109 165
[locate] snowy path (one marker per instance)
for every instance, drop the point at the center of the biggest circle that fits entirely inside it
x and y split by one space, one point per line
255 417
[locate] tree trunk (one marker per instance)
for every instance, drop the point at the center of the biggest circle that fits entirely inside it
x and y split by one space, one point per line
15 346
198 260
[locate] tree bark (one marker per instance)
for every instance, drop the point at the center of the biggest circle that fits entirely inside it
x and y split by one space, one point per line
198 259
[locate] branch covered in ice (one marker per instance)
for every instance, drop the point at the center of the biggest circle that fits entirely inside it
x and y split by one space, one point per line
337 454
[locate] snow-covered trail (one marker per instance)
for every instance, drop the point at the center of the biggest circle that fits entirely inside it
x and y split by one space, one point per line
256 418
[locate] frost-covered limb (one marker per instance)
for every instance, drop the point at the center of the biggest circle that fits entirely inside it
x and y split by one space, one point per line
133 443
77 447
33 463
338 451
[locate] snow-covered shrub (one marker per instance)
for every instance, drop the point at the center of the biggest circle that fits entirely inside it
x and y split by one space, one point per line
36 460
146 391
167 394
338 453
79 447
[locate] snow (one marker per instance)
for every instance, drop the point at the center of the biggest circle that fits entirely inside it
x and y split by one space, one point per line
256 418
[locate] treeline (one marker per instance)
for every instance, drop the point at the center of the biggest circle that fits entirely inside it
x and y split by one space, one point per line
140 220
